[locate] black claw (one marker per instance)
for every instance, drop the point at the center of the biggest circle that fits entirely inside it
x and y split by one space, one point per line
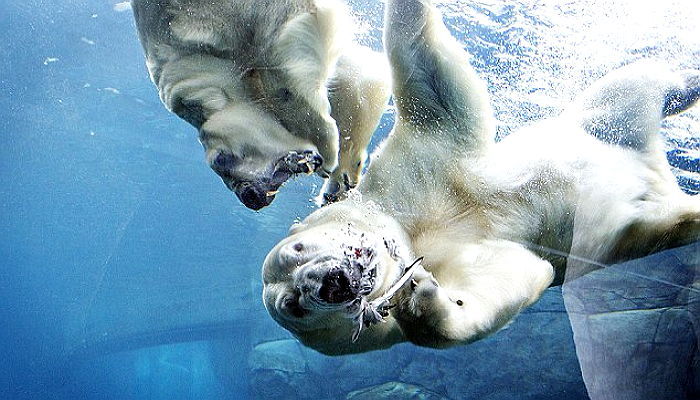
305 162
329 198
346 182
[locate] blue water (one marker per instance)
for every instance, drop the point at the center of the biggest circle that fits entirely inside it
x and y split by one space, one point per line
128 271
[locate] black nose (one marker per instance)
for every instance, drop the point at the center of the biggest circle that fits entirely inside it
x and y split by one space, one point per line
253 196
316 161
336 287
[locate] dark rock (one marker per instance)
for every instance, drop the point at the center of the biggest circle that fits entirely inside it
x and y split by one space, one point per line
277 371
635 326
532 358
394 390
282 355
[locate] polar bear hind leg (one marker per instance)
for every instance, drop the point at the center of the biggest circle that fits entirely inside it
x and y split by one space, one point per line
443 110
626 106
625 109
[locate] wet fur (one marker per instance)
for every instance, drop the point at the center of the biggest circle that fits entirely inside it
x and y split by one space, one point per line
252 77
495 222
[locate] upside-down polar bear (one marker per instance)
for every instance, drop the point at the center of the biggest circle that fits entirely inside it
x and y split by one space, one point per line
592 182
275 88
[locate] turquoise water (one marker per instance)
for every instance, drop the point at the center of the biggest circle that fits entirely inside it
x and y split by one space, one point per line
128 271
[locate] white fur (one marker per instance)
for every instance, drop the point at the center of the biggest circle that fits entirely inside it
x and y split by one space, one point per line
492 221
355 91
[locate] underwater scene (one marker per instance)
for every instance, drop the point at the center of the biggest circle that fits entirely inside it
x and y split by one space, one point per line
129 271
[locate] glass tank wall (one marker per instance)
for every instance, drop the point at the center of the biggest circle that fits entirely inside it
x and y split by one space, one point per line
128 271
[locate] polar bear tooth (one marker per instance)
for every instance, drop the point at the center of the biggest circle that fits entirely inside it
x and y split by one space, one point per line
272 193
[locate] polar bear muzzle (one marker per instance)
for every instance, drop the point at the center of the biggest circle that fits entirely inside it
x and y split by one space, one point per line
258 190
254 195
329 282
340 286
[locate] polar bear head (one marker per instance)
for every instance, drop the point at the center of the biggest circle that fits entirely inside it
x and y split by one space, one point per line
261 126
316 279
254 153
253 81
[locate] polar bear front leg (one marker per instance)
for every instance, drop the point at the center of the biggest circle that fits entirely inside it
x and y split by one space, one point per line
304 57
470 293
358 92
674 224
435 88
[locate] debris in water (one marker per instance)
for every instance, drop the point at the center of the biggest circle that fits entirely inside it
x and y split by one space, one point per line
373 312
123 6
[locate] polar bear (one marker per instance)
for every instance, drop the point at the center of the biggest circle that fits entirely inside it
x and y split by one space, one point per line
492 223
275 88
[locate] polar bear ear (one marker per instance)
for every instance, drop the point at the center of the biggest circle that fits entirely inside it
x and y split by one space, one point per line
296 227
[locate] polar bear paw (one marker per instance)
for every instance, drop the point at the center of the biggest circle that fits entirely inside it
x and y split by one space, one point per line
306 162
682 98
336 189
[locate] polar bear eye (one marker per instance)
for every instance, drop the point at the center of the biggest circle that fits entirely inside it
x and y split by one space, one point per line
284 94
294 308
224 163
460 303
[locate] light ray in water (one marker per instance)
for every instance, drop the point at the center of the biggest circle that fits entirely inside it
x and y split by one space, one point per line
556 252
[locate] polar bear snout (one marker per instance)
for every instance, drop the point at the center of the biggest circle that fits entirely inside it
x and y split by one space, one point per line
257 187
339 286
254 154
254 196
328 282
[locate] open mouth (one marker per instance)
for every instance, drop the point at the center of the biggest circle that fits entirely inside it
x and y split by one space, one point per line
352 278
339 286
305 162
261 192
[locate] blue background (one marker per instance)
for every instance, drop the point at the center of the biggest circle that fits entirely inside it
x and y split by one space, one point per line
127 270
